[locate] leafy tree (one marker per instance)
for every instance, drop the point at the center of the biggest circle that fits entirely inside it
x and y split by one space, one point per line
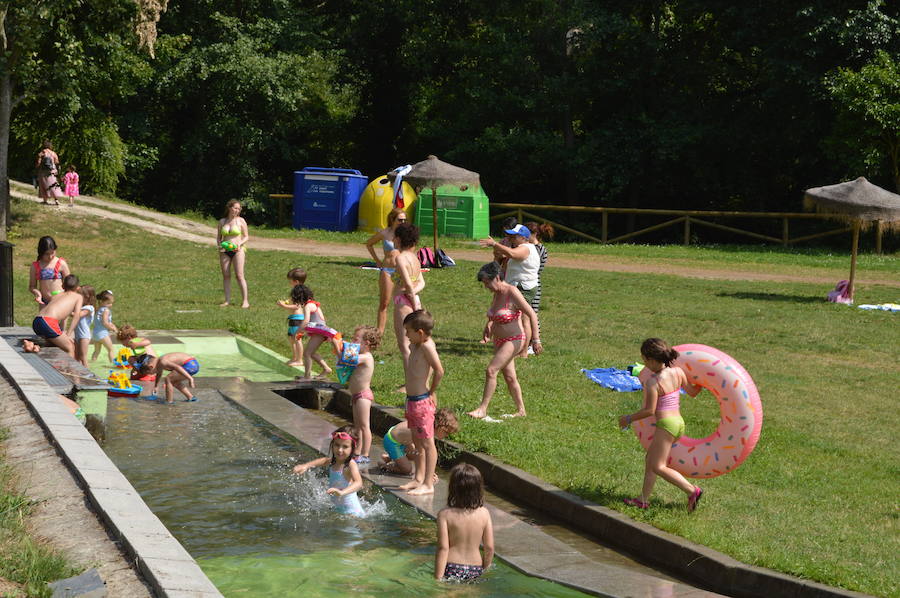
867 131
60 67
230 112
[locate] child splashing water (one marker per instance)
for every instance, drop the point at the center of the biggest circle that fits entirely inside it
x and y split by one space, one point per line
661 398
344 479
462 526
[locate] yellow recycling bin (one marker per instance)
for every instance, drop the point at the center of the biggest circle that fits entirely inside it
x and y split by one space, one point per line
377 201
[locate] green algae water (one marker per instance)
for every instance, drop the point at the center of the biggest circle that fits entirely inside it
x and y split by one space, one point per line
219 479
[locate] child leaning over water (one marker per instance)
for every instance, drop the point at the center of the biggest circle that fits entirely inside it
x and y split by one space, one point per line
344 479
462 525
398 442
85 321
183 368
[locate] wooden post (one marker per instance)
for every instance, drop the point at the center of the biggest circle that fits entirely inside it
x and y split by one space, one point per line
604 227
785 236
878 237
687 230
853 258
434 216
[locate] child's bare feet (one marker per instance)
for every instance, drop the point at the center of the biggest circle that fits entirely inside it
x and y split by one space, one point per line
421 490
295 363
410 485
226 304
245 305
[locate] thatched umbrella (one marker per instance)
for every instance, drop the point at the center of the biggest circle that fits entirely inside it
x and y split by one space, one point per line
432 173
859 202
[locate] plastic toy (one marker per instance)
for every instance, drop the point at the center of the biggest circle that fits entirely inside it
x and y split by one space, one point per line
122 357
347 360
120 385
228 246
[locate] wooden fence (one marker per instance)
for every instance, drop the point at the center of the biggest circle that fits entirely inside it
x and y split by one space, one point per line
685 218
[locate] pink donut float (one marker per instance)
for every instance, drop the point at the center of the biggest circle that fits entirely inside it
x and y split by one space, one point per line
740 413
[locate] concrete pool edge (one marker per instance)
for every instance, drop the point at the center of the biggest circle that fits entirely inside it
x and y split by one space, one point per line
159 558
686 559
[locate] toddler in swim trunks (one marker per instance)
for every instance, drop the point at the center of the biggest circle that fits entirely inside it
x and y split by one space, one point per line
183 368
462 525
421 400
295 321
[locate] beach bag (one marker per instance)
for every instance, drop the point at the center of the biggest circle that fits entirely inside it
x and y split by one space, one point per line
427 259
444 260
841 293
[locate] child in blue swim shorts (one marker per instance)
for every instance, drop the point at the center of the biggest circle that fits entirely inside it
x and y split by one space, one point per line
183 368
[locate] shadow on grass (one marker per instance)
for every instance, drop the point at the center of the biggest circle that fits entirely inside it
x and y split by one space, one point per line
774 297
465 346
614 499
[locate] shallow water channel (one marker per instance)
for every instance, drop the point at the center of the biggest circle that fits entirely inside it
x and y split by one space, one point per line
219 478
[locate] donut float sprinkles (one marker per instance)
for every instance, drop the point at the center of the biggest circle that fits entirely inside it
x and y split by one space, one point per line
740 411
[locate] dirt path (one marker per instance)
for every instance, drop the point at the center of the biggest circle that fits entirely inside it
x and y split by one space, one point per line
188 230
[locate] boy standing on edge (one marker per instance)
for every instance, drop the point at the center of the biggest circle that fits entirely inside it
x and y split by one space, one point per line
421 400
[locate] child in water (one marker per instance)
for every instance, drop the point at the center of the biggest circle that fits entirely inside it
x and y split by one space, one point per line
662 382
344 479
103 325
398 441
462 525
128 336
183 368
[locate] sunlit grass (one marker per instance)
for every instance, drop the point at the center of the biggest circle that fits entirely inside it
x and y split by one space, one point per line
818 497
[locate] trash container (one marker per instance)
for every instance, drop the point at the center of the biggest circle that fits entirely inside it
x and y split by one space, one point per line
327 198
377 201
461 212
6 284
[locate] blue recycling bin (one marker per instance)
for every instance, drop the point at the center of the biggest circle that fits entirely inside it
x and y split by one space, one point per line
327 198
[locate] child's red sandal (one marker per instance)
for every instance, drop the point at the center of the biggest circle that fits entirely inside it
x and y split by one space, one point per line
636 502
694 499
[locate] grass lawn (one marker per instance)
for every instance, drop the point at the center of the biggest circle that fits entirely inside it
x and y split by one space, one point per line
819 496
27 564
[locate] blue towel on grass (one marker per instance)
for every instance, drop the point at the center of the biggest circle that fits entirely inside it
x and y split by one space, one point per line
620 380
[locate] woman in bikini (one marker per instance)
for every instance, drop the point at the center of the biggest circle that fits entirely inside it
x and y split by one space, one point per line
385 283
233 229
509 336
408 282
47 272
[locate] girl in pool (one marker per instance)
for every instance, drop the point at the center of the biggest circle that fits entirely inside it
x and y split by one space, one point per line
103 325
662 384
344 479
385 236
462 525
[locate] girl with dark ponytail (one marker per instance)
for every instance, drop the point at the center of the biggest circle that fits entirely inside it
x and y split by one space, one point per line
662 382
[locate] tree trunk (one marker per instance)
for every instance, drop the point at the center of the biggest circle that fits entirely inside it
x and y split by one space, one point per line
5 115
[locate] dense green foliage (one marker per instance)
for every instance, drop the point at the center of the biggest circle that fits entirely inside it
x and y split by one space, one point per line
679 103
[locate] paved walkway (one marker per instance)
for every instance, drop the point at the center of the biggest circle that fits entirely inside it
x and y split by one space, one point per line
196 232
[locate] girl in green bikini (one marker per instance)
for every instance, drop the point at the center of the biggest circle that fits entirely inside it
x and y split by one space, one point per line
231 238
662 384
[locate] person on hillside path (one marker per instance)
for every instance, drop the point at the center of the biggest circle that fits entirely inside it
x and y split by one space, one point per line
47 167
